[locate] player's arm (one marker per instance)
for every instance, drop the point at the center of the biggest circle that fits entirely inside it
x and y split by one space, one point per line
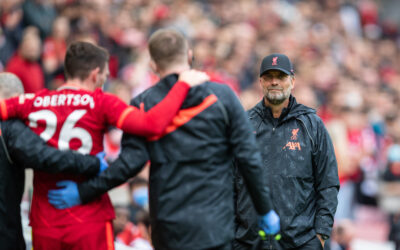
249 162
28 150
130 161
154 121
15 107
247 155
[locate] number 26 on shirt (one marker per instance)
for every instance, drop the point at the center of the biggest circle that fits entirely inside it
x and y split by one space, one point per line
68 130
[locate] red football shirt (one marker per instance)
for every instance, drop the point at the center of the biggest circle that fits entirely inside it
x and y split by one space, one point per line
72 118
30 73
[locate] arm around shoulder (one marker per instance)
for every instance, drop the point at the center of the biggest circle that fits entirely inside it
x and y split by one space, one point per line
28 150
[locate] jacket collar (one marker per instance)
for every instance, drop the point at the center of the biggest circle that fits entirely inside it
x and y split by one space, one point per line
169 80
293 109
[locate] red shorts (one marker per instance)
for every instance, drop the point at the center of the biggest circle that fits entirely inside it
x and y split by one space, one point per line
86 236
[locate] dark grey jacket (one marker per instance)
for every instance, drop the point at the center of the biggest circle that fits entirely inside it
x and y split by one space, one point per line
21 148
301 172
191 177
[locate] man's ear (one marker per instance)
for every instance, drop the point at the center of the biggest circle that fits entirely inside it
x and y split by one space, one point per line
153 66
260 81
190 57
293 82
93 75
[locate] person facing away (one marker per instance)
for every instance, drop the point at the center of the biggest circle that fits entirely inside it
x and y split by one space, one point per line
21 148
190 186
75 116
299 161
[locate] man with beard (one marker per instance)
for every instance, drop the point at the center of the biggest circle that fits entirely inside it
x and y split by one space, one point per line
300 164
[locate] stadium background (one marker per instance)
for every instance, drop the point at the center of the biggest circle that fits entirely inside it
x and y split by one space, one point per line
345 52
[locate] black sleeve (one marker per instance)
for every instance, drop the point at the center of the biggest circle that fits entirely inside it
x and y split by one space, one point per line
247 155
131 160
326 180
28 150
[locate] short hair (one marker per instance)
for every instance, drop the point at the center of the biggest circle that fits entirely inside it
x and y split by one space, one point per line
83 57
10 85
168 47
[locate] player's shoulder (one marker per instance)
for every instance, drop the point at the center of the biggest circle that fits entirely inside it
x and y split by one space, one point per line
26 97
99 93
221 90
150 92
220 87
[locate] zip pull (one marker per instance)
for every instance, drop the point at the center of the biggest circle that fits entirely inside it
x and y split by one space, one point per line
273 129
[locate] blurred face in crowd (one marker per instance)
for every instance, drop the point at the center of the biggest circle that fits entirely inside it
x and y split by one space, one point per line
30 47
276 86
61 28
121 219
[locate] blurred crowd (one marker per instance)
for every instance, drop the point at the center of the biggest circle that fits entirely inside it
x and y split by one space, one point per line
346 55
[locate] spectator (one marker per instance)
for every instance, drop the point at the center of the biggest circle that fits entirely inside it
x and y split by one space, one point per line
25 64
41 14
136 236
138 190
54 49
11 29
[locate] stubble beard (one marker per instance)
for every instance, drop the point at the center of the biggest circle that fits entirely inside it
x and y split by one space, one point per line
277 98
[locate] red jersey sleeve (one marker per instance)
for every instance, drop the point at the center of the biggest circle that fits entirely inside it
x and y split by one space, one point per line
153 122
15 107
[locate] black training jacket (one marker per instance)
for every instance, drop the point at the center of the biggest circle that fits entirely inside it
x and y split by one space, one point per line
301 173
191 177
21 148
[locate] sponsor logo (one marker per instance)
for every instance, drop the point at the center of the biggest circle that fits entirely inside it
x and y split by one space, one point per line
293 145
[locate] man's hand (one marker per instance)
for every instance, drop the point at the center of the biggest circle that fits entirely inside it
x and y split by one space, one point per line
103 162
65 197
193 77
270 222
322 240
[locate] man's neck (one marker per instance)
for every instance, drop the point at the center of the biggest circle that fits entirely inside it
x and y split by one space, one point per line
80 84
276 109
175 69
